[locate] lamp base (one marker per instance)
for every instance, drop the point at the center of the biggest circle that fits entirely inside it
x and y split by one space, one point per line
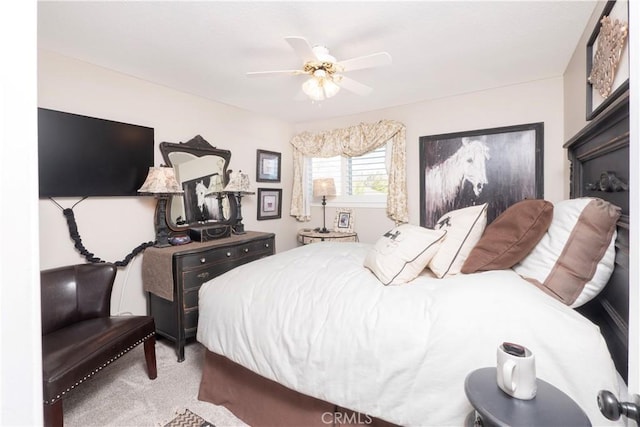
324 230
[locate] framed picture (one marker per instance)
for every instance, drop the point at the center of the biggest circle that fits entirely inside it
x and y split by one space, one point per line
268 166
497 166
608 58
343 222
269 203
200 201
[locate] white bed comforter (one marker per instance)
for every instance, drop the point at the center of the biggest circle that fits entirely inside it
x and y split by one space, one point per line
315 320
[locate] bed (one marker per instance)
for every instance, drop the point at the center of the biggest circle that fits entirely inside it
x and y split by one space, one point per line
311 337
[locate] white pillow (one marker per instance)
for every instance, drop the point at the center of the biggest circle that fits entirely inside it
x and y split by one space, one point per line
464 228
402 253
575 258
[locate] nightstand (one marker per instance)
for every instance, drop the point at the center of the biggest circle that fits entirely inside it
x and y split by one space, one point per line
306 236
493 407
173 275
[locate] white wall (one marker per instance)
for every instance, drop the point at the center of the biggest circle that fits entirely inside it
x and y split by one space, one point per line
634 178
111 227
20 360
539 101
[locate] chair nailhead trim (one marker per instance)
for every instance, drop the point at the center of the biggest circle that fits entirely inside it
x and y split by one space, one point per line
104 365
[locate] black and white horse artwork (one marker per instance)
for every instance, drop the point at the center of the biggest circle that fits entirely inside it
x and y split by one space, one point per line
498 167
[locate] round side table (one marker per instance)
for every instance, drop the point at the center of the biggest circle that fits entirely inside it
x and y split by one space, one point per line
493 407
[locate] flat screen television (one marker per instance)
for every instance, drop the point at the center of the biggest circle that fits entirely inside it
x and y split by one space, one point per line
80 156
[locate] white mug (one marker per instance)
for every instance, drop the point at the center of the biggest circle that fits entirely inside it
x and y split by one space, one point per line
516 371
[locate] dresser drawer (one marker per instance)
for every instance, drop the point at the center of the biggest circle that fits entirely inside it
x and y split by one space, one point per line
218 255
195 277
191 320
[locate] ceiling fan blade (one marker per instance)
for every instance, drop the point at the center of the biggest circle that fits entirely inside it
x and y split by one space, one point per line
352 85
302 48
272 73
368 61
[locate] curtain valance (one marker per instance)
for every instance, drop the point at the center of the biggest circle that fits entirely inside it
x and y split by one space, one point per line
351 142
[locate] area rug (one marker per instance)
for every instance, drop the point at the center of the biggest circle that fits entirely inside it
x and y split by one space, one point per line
186 418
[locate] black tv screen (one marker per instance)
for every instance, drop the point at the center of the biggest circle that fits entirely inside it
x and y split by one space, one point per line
80 156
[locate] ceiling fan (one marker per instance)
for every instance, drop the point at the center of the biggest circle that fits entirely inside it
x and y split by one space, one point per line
325 72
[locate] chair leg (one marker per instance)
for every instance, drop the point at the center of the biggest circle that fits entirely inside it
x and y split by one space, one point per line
53 414
150 356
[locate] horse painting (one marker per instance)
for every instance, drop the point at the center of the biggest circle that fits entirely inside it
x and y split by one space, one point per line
446 180
499 166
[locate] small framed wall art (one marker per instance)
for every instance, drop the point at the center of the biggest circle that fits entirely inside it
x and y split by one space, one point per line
269 203
343 222
268 166
608 58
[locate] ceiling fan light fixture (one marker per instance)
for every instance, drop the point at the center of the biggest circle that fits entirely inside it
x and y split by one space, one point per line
330 88
313 89
318 87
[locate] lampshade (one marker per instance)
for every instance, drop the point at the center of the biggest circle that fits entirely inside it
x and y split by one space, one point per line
160 180
324 187
239 183
320 86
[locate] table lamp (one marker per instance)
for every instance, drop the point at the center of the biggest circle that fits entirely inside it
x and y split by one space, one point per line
239 185
161 182
324 187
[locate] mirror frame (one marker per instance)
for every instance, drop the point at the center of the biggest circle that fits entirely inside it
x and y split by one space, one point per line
198 147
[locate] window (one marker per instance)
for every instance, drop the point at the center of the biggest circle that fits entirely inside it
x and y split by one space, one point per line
359 180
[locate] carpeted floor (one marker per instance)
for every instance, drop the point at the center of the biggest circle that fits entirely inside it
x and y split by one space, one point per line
122 395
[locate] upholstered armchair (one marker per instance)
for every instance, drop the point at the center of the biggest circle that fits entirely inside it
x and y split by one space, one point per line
79 336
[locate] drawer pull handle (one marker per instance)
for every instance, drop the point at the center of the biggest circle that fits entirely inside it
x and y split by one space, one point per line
203 275
246 250
228 254
266 245
203 260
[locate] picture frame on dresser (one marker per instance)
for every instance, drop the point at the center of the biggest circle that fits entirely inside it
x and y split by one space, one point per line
199 204
269 203
268 165
497 166
607 56
343 221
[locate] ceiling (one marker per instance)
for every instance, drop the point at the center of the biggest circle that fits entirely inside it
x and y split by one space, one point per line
439 48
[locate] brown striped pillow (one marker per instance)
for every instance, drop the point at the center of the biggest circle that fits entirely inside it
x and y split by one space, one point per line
575 258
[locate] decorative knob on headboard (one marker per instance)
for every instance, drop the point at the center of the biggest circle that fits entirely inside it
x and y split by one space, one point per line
612 409
608 182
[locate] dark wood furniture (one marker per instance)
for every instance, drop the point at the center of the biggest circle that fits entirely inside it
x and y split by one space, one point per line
79 336
186 268
597 153
493 407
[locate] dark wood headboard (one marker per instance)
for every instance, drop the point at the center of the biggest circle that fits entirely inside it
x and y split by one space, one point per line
599 156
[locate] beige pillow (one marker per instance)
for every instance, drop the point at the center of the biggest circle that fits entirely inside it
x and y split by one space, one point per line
510 237
402 253
464 228
575 258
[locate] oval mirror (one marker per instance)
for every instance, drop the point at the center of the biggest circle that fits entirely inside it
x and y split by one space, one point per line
201 170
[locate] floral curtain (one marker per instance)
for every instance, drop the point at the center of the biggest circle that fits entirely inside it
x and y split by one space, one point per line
351 142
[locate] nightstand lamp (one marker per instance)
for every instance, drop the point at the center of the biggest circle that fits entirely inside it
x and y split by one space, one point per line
324 187
161 182
239 185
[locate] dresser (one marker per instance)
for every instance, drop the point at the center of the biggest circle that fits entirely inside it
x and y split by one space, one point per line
306 236
172 277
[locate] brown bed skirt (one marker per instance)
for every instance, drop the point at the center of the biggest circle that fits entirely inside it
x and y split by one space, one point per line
259 401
